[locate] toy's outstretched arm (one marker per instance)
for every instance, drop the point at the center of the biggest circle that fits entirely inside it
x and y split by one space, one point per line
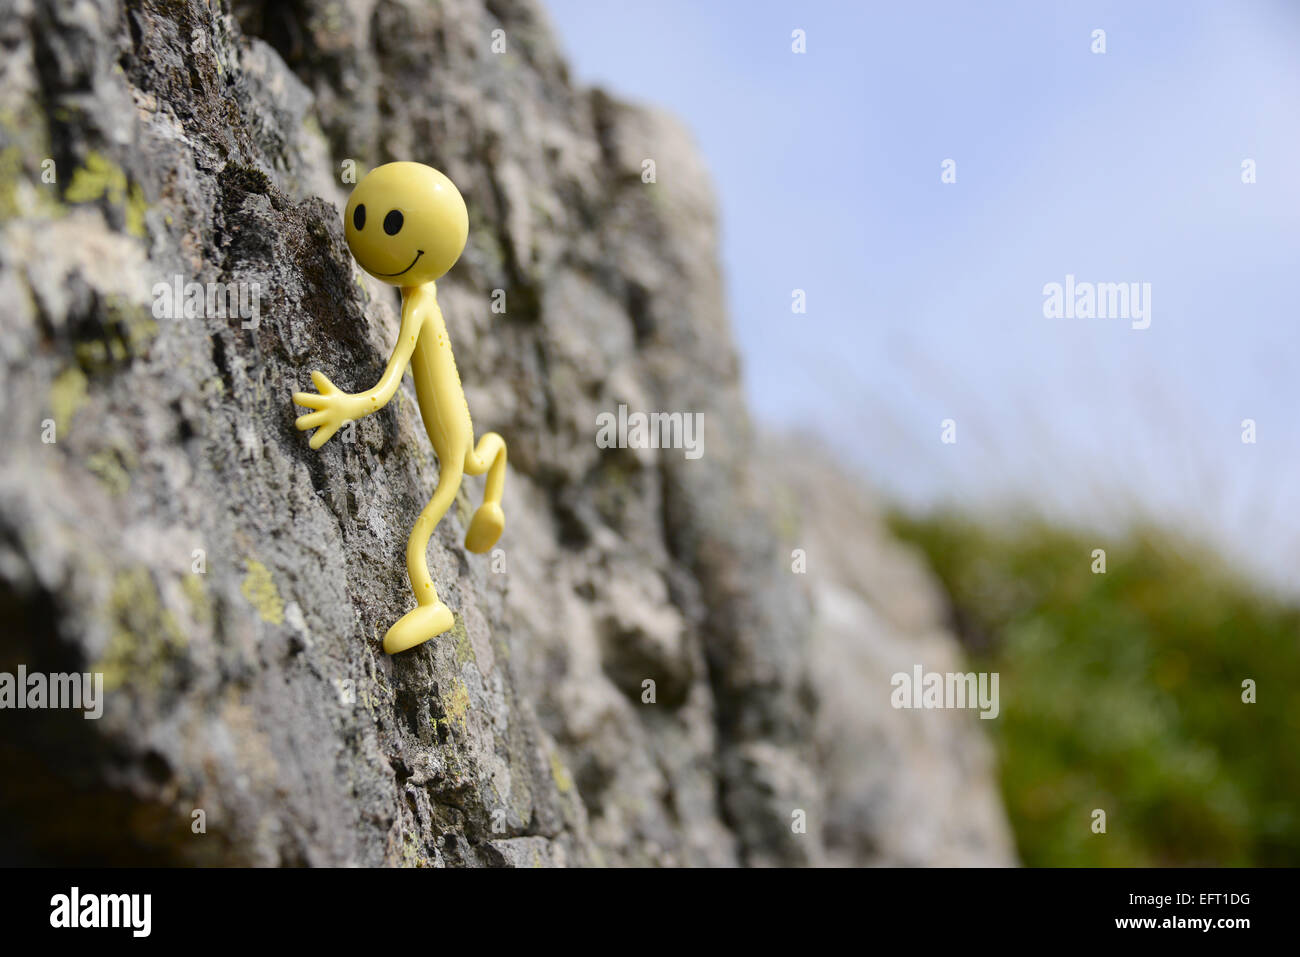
335 407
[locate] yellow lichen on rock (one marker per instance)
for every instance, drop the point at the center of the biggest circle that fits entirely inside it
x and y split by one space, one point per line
259 588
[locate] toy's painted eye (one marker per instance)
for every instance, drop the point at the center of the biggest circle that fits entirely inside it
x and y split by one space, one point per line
359 216
393 222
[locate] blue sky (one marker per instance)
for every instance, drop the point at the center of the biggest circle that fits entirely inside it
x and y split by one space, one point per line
925 299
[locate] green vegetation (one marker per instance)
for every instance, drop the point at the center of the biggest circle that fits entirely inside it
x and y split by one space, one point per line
1123 691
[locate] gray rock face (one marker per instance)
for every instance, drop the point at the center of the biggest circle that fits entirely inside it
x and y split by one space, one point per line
162 522
910 787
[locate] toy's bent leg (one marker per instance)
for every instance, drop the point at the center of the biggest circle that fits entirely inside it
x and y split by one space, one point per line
489 521
430 617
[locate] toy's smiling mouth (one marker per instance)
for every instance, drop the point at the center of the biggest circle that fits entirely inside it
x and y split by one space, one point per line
418 254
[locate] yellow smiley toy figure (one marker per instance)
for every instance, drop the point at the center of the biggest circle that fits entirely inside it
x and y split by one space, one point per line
406 225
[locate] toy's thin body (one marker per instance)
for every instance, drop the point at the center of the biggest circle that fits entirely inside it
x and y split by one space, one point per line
423 205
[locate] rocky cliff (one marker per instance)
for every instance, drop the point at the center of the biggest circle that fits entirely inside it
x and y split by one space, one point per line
163 523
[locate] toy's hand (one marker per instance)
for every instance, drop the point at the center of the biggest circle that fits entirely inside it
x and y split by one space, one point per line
334 407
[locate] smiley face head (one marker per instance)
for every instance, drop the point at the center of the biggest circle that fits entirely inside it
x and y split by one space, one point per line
406 223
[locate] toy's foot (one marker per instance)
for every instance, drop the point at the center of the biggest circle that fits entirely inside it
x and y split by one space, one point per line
417 626
485 527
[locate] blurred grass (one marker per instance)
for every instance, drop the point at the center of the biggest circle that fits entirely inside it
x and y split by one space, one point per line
1123 691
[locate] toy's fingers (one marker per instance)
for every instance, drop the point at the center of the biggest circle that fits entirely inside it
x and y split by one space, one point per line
311 420
310 400
322 435
323 385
